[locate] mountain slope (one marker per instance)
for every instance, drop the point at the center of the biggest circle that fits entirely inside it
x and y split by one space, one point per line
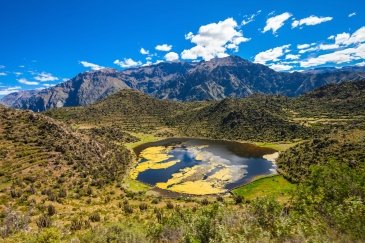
42 151
257 118
216 79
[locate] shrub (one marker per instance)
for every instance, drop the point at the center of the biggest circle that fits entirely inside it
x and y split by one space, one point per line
44 221
127 209
155 201
51 210
13 222
204 202
94 217
76 224
143 206
169 205
220 199
238 199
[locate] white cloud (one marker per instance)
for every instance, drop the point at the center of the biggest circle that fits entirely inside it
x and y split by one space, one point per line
27 82
128 63
93 66
163 47
332 37
250 18
9 90
352 14
213 40
337 57
311 20
276 22
280 67
271 55
346 39
144 51
292 57
360 64
65 79
2 66
308 50
303 46
18 73
172 57
328 46
3 74
45 77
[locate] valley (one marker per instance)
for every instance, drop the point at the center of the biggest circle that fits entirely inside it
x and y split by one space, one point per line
92 173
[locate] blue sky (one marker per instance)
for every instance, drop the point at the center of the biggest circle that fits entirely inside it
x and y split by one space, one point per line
44 42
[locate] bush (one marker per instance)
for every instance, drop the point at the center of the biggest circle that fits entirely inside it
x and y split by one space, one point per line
169 205
127 209
44 221
76 224
94 217
143 206
204 202
51 210
13 222
238 199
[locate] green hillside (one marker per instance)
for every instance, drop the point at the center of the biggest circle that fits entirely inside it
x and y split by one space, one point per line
64 178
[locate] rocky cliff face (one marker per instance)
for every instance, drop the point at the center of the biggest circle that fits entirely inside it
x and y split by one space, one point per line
213 80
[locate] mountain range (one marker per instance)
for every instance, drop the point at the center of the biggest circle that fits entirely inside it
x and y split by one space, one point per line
216 79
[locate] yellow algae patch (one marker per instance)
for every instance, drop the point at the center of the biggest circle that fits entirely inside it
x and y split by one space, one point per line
197 188
155 157
156 154
224 174
179 177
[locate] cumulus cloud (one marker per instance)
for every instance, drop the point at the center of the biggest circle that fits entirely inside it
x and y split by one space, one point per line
45 77
163 47
292 57
352 14
337 57
144 51
213 40
271 55
328 46
250 18
9 90
27 82
311 20
346 39
92 66
18 73
303 46
3 74
172 57
280 67
127 63
276 22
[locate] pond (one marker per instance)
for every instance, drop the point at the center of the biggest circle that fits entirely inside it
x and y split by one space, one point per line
201 166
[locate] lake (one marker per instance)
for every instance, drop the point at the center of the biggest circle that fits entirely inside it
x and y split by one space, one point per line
201 166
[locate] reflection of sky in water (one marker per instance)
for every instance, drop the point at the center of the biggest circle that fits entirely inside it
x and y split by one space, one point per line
241 169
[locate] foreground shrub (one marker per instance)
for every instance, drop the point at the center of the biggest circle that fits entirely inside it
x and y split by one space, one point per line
44 221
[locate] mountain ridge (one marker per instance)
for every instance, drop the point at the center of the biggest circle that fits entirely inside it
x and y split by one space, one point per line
216 79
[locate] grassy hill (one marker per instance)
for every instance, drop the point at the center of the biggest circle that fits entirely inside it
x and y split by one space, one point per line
260 118
62 177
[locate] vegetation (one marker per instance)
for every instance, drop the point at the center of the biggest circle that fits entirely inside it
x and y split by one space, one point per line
67 181
273 186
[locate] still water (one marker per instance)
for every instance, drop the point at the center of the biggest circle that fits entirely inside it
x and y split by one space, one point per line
200 166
